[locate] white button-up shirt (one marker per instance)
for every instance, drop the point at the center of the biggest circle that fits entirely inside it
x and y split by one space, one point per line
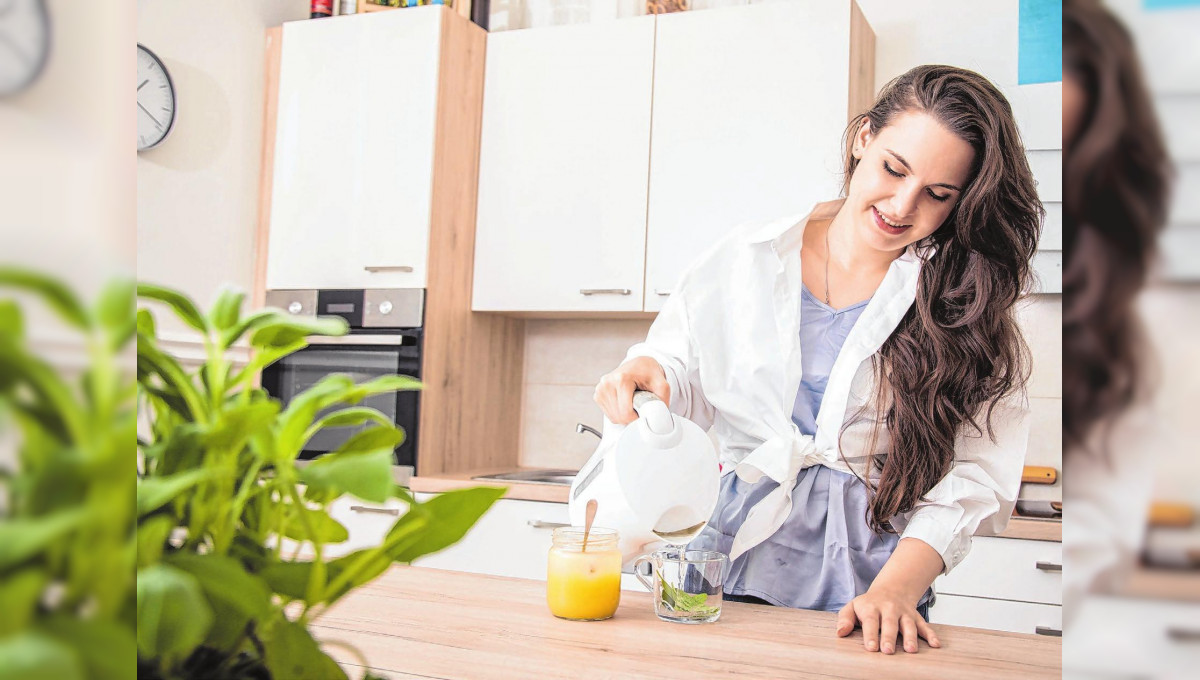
728 340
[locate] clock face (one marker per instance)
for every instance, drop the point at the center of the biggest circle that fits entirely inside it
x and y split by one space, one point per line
155 99
24 43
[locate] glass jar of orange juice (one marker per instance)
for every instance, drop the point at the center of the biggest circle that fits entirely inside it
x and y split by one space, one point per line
584 585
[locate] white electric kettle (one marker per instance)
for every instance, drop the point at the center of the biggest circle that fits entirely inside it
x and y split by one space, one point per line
654 479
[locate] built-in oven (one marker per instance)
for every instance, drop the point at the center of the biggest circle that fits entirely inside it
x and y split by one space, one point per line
385 338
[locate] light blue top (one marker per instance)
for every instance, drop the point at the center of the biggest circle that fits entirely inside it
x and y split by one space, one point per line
825 554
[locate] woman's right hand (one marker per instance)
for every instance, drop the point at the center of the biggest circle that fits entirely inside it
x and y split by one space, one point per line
615 391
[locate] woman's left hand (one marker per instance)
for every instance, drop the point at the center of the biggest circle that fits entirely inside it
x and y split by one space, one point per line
883 614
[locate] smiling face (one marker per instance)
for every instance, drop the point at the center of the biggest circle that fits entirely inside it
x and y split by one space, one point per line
909 177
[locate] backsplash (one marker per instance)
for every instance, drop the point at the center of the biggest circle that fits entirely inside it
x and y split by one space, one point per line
564 359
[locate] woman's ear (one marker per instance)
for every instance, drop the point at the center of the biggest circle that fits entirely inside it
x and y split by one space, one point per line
862 138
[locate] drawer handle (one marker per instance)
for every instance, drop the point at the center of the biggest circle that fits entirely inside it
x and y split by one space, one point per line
605 291
1048 631
388 268
539 524
662 291
1049 566
1177 634
380 511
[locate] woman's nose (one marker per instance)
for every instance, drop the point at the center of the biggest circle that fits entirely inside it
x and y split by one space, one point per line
904 203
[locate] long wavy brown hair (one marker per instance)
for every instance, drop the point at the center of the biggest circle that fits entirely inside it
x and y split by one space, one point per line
958 350
1116 178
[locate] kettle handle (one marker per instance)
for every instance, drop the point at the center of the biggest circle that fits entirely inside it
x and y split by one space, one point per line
653 411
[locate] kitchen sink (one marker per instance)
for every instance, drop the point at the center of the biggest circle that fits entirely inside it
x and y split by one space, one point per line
533 476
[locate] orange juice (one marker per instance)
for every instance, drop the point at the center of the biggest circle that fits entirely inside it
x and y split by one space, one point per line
584 585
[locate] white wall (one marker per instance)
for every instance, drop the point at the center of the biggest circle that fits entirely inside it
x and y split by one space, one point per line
197 192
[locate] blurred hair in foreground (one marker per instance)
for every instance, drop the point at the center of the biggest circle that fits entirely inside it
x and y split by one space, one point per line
1124 325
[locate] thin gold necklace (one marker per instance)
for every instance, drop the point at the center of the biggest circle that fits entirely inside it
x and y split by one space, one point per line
828 256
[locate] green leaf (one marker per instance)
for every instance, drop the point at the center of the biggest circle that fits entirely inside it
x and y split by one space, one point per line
24 537
685 602
33 655
240 422
107 649
172 614
362 466
183 306
155 492
19 595
291 652
12 322
303 408
145 323
451 515
384 384
325 529
350 417
152 539
55 294
226 310
282 330
152 360
115 306
231 334
224 579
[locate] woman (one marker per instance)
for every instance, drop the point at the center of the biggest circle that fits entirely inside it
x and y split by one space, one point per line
860 367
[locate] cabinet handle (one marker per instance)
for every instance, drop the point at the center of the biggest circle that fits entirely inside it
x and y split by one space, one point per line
388 268
1048 631
1177 634
539 524
1049 566
605 291
662 291
380 511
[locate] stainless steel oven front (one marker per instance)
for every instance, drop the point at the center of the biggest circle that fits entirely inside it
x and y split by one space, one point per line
385 338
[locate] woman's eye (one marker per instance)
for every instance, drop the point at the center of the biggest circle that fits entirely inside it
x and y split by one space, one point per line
939 199
892 172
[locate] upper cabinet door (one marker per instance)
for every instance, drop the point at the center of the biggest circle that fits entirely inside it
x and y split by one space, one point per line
750 104
350 205
564 156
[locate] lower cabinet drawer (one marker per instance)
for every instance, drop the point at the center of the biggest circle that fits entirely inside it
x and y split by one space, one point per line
1007 569
1115 637
1006 615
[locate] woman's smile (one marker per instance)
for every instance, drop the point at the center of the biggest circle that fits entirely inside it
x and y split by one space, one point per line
886 225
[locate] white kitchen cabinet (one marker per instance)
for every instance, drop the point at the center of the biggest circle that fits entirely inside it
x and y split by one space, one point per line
1003 584
564 156
750 104
354 151
613 154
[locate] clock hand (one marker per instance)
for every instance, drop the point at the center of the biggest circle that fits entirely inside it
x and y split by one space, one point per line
143 84
149 114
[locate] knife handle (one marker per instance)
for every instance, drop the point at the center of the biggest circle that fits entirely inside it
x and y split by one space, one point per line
1035 474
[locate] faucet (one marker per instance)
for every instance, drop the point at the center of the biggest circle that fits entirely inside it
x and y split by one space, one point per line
581 428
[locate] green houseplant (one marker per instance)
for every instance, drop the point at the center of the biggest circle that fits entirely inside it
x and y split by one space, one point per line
67 550
209 562
220 494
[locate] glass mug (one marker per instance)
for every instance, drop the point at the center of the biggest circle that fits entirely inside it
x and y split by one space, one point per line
583 585
687 585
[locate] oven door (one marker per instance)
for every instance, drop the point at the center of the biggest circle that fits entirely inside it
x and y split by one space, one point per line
362 359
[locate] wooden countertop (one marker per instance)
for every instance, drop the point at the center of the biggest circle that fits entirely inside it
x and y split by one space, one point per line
416 622
1018 527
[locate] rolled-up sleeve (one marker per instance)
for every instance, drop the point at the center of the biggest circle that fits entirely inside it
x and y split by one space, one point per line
671 344
978 494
